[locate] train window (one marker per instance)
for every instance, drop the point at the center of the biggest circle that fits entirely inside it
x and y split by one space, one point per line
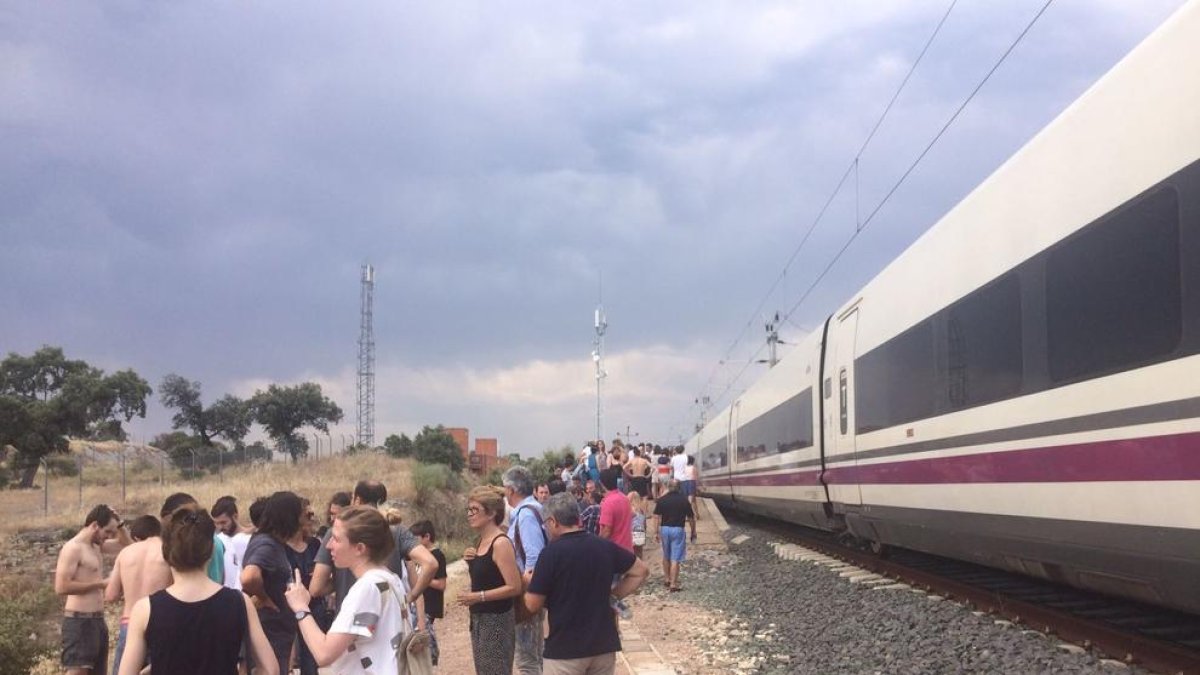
714 456
842 396
1113 292
983 345
786 427
896 382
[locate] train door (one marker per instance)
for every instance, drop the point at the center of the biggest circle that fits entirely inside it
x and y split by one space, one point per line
731 440
839 409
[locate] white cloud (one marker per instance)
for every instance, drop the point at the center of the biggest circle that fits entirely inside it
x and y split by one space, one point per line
644 389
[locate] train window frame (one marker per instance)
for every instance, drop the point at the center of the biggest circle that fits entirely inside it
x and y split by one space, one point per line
1094 330
980 347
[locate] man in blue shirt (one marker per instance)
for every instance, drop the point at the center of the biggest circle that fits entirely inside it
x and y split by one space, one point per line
529 538
573 579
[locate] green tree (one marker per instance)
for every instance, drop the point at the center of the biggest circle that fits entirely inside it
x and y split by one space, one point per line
229 417
46 398
398 446
434 446
284 410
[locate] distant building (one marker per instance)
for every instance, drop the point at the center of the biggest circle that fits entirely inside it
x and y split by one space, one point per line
462 437
486 456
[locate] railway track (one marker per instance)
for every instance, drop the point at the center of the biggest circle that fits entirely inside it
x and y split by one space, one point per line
1153 638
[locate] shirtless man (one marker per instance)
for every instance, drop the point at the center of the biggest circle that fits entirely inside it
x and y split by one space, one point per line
138 571
79 576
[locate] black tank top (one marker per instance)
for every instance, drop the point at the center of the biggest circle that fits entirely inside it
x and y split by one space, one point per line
485 575
196 638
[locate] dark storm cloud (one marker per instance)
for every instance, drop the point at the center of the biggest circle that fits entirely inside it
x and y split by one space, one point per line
192 188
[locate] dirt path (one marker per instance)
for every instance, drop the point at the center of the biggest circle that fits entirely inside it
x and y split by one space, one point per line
673 634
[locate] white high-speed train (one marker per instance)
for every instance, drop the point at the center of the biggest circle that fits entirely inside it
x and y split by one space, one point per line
1021 387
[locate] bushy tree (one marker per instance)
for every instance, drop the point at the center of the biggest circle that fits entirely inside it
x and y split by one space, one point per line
284 410
229 418
435 446
398 446
46 398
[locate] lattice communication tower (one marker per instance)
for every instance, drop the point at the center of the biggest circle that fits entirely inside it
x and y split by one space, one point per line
366 360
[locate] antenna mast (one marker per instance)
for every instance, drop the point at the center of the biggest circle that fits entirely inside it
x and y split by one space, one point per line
366 360
601 325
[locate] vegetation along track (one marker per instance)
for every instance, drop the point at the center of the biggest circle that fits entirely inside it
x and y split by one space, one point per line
1152 637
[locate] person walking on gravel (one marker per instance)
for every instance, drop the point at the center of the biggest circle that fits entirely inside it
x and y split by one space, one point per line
672 511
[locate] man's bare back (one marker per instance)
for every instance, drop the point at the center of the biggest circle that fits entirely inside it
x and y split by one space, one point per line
138 572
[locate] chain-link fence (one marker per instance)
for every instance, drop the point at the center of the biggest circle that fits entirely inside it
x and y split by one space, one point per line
108 472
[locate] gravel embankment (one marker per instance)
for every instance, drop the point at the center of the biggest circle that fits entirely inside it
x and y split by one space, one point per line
796 617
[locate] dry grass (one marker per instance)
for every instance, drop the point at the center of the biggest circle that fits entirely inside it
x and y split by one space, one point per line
144 493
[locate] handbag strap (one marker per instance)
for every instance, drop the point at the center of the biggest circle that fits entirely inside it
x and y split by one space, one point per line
517 520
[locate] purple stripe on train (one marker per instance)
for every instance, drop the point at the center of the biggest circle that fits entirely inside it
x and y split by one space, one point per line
1175 457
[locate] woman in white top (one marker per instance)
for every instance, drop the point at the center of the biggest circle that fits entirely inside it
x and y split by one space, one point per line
372 617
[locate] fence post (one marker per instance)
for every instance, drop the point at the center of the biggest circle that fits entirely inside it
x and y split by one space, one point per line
79 466
122 478
46 491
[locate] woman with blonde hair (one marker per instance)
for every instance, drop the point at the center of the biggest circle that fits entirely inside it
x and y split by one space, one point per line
373 616
639 523
495 581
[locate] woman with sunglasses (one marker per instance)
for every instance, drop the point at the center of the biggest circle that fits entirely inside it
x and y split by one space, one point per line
302 549
495 581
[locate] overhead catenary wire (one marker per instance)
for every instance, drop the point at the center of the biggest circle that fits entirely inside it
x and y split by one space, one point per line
859 228
852 168
929 146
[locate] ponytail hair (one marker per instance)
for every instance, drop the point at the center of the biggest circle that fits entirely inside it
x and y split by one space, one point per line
187 538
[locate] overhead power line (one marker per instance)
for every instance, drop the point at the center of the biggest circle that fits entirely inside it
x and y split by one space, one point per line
907 172
851 169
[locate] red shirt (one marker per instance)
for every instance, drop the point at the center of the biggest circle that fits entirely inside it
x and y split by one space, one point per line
616 513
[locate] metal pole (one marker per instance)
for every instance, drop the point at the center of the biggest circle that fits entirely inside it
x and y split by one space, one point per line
193 462
122 479
79 465
220 466
46 491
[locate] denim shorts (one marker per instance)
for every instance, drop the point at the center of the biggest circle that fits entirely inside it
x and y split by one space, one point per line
674 544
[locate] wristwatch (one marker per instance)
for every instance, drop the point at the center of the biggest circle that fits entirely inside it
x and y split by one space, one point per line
301 614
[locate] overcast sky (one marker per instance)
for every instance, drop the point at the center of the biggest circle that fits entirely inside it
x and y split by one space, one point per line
192 187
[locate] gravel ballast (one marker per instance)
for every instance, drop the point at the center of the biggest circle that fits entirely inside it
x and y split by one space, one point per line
784 616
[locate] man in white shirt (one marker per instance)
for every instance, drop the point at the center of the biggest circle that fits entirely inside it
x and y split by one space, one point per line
229 531
679 465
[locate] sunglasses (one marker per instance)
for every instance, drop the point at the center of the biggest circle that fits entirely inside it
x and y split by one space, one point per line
473 510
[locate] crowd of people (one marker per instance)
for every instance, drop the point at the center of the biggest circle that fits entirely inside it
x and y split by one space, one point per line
203 592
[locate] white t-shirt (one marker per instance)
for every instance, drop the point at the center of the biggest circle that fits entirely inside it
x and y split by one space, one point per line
372 614
679 466
235 551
